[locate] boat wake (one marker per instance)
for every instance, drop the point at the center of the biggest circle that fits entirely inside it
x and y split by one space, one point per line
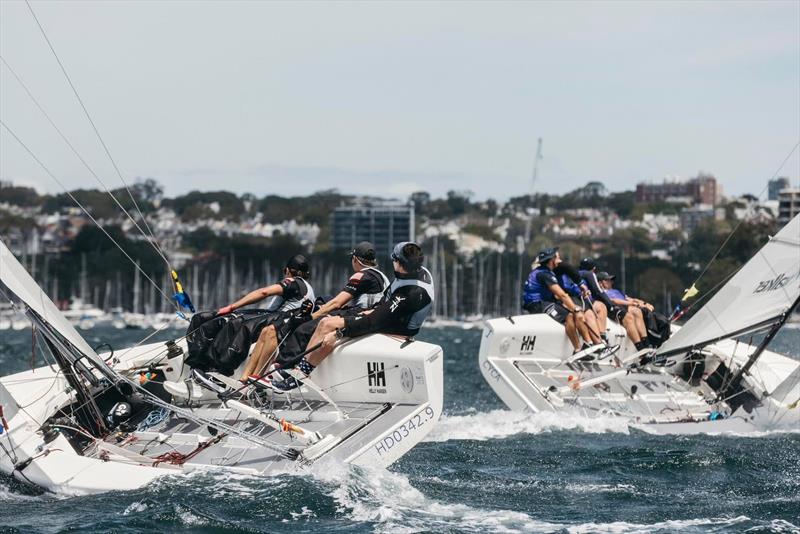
328 496
498 424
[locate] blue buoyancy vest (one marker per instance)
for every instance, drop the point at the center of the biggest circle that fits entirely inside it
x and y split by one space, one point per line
536 291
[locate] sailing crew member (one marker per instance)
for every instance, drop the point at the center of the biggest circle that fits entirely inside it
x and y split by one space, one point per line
284 298
570 281
408 303
543 294
363 290
287 295
628 311
600 301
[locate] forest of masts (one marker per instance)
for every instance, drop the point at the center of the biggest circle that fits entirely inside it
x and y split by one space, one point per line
486 284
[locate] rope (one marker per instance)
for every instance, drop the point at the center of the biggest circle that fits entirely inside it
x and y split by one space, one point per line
83 161
94 127
81 206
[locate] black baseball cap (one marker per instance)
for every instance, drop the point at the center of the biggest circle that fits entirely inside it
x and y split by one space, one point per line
298 263
602 275
546 255
587 264
364 251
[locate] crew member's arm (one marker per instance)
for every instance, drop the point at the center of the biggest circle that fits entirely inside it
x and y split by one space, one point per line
565 299
641 303
620 302
597 291
334 304
253 297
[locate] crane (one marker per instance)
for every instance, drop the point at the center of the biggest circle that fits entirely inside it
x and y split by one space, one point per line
533 185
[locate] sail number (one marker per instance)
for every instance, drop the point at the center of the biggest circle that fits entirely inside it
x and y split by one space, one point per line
403 431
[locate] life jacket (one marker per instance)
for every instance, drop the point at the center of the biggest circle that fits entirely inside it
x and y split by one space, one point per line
278 303
416 319
369 300
535 291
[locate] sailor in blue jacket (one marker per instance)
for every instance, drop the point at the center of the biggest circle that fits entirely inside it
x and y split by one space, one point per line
543 294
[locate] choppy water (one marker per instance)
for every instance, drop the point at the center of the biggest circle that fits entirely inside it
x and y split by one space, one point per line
483 469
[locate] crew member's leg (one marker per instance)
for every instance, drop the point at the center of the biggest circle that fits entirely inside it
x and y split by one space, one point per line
602 315
265 348
572 332
583 328
639 321
629 323
326 326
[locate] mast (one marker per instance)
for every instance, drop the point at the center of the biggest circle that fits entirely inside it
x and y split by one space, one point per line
443 284
454 289
107 296
538 157
518 281
137 290
84 283
479 307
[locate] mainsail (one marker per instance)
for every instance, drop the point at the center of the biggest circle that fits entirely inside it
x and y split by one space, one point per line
757 296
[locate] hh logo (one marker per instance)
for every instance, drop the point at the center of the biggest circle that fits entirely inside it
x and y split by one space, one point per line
376 374
528 342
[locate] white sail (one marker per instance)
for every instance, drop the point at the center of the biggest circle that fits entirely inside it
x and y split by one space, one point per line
17 280
763 289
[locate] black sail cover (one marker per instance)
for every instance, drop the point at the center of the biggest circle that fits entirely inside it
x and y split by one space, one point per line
222 343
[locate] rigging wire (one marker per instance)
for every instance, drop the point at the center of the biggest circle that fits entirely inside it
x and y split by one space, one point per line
741 221
150 238
81 206
94 127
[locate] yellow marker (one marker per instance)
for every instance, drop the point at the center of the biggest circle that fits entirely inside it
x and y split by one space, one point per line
689 293
178 286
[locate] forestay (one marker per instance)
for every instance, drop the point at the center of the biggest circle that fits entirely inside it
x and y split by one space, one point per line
14 277
758 295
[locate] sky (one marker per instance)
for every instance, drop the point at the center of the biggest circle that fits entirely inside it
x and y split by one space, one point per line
389 98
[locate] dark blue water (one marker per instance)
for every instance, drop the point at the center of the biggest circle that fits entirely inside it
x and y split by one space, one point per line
483 469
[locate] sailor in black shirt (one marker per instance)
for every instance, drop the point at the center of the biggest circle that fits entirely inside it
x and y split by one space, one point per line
363 290
601 304
408 303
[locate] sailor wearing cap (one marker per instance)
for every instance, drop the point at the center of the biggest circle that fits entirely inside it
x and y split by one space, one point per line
408 302
364 289
286 295
543 294
601 304
627 310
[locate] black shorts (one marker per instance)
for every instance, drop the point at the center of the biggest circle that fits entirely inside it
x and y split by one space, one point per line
554 309
582 303
618 312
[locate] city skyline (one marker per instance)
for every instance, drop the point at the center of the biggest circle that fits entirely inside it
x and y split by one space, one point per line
388 99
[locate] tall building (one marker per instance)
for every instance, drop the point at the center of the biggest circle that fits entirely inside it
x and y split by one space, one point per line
383 223
704 189
788 205
775 186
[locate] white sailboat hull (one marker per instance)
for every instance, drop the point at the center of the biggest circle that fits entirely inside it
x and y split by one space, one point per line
381 420
521 360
